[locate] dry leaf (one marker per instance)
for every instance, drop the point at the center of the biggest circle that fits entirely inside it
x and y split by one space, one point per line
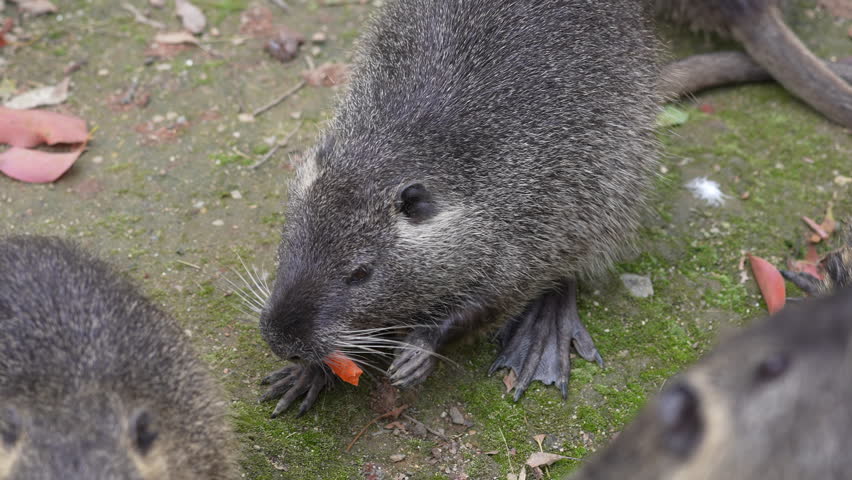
28 128
770 281
522 475
509 380
39 97
327 75
539 439
538 459
34 166
176 38
191 17
36 7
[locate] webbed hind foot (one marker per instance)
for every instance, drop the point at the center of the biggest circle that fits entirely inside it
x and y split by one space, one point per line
537 343
290 383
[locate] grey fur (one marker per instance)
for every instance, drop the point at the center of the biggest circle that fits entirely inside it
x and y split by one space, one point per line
529 121
96 383
771 402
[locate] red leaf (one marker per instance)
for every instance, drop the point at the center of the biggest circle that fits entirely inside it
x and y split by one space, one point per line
343 367
34 166
28 128
770 281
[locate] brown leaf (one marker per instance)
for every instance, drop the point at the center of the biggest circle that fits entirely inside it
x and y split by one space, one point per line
39 97
539 439
770 281
191 17
176 38
538 459
327 75
284 45
37 7
509 380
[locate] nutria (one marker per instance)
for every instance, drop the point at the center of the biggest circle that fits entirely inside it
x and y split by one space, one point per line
771 402
775 50
485 156
96 382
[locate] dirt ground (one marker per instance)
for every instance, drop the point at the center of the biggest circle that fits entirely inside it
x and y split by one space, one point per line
169 191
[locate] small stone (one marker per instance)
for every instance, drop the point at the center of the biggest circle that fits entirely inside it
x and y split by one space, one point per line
98 159
296 115
398 457
236 195
162 67
315 51
638 285
245 117
103 72
171 116
158 118
218 223
319 37
456 416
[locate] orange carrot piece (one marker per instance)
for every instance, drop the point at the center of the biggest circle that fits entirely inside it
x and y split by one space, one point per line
770 281
343 367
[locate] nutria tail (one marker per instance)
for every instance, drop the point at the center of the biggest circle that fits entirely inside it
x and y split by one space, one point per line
758 25
700 72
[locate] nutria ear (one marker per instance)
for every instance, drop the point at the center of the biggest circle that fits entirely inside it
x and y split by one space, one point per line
416 203
10 427
142 431
679 411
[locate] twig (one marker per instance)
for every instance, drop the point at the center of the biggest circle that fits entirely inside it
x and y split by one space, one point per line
427 427
141 18
131 92
395 413
280 99
508 456
275 147
280 3
188 264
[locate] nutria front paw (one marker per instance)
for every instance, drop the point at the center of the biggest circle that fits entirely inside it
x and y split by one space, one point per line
415 362
293 381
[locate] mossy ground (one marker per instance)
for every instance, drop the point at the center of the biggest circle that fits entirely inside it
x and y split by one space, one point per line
149 206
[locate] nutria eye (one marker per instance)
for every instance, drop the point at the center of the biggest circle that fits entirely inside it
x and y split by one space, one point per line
772 368
142 432
359 275
416 203
679 411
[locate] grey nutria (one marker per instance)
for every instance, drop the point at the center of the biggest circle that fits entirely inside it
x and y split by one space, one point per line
771 50
96 382
485 156
771 402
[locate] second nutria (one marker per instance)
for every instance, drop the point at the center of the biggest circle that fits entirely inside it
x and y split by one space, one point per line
771 402
96 383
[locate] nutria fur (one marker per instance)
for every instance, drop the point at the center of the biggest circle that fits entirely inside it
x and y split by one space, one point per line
97 383
771 402
486 155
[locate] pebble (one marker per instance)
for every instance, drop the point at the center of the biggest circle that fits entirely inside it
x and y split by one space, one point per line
171 116
638 285
398 457
236 195
245 117
319 37
98 159
103 72
158 118
456 416
218 223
